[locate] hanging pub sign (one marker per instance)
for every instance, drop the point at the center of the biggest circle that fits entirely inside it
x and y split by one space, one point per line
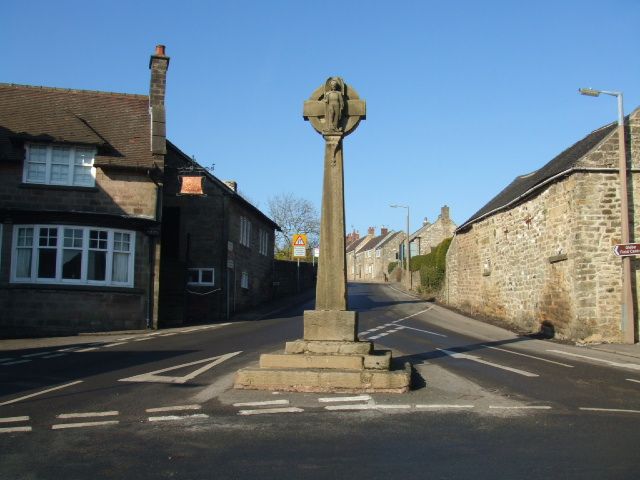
191 185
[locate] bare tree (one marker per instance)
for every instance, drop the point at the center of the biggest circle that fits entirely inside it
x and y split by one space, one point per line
294 215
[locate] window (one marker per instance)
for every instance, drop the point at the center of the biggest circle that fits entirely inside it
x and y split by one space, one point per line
378 253
201 276
244 280
368 253
59 165
72 254
264 242
245 232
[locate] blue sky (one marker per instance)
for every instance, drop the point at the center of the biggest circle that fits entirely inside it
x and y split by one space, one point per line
461 96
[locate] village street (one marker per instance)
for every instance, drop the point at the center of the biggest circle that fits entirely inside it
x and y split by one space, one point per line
160 405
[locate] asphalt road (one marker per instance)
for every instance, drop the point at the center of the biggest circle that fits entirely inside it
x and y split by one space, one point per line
486 404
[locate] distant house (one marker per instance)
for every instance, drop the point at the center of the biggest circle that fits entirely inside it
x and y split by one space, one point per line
352 249
89 214
540 253
430 235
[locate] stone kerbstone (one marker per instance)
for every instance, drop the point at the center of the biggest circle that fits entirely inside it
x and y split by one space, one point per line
338 325
328 347
344 362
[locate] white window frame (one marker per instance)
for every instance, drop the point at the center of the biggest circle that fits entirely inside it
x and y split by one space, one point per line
59 248
245 232
200 271
264 242
378 253
244 280
49 163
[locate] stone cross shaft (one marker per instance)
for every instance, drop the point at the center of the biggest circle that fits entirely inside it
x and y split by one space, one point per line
334 110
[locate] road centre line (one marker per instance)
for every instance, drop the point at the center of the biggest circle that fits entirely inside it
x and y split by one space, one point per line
473 358
69 349
168 334
437 406
528 356
61 426
613 410
402 327
6 359
15 363
175 408
633 380
109 345
520 407
263 411
59 387
633 366
39 354
258 404
143 339
358 398
167 418
111 413
90 349
413 315
24 418
15 429
55 355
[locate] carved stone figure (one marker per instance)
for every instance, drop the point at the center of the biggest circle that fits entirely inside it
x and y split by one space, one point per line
334 104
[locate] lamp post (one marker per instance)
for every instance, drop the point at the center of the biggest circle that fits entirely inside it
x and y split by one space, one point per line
406 248
628 317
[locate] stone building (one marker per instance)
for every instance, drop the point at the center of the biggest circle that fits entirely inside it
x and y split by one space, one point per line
431 235
540 253
81 213
368 259
354 272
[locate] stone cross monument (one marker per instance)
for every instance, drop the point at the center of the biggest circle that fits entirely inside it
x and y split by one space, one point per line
330 358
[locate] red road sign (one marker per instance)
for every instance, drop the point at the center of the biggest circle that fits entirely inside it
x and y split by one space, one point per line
627 249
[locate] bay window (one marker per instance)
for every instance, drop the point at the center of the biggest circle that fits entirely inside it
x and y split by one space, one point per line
73 255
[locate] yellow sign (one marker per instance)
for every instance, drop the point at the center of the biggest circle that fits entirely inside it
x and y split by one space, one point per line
299 245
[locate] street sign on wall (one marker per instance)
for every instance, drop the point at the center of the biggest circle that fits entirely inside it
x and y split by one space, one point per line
627 249
299 242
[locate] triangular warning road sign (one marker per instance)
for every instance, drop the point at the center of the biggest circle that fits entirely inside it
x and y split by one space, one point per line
299 241
155 378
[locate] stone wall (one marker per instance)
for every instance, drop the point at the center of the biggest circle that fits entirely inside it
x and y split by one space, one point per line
549 259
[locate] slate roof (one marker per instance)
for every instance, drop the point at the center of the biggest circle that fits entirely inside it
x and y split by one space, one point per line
118 124
372 242
354 245
525 183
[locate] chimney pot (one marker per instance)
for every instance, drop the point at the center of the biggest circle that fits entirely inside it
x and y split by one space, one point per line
384 231
233 185
160 50
372 231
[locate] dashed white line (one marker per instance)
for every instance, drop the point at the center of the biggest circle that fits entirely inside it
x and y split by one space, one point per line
633 380
17 362
168 334
439 406
6 359
520 407
39 354
62 426
351 407
14 419
55 355
413 314
143 339
358 398
473 358
90 349
393 407
111 413
528 356
69 349
423 331
613 410
175 408
167 418
264 411
40 393
260 404
109 345
15 429
633 366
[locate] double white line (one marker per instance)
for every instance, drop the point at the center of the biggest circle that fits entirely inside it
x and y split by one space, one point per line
65 416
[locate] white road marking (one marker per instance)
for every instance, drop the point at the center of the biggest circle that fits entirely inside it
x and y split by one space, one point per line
40 393
36 354
424 331
413 314
15 363
111 413
168 334
167 418
633 366
154 377
633 380
393 407
258 404
6 359
358 398
351 407
437 406
14 419
61 426
143 339
175 408
521 407
15 429
614 410
378 336
90 349
264 411
528 356
124 339
109 345
473 358
55 355
70 349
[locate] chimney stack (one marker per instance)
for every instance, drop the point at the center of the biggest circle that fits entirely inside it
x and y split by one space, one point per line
158 64
384 231
444 213
233 185
372 231
425 222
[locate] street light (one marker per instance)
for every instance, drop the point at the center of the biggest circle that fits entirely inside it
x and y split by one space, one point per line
628 317
406 247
